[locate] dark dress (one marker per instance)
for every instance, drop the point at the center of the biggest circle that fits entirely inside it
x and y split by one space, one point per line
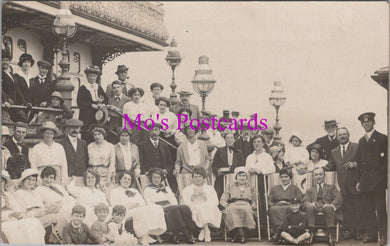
11 93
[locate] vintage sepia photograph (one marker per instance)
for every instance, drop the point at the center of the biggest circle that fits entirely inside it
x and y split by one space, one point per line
194 122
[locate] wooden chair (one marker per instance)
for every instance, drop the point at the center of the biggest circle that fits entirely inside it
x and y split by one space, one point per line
228 179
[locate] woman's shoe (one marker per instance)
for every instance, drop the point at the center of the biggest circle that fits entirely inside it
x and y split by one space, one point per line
201 236
174 239
189 237
242 240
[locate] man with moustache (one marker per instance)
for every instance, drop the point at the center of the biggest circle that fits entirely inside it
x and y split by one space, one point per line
329 141
76 150
372 180
122 73
343 159
185 103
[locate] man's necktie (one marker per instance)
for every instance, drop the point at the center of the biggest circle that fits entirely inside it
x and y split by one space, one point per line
319 195
343 150
120 229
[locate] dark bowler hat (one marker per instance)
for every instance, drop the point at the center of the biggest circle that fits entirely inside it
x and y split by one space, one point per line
74 122
235 113
25 57
156 84
367 115
92 69
328 123
121 68
156 125
184 93
44 63
5 54
166 100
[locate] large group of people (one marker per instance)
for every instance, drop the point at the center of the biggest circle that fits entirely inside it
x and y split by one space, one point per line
82 185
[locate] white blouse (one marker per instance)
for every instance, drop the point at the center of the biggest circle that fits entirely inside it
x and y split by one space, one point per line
262 163
152 196
29 199
133 109
85 196
171 121
296 154
49 197
102 154
193 153
118 197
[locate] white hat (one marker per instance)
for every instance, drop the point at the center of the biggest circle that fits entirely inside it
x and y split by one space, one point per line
297 135
5 175
4 131
48 125
238 170
27 173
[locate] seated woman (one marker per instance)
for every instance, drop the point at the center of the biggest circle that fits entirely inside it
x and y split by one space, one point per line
126 155
203 202
88 196
16 227
315 151
177 217
147 219
239 201
280 197
226 159
277 153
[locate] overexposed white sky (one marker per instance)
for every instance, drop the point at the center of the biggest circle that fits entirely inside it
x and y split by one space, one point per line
322 52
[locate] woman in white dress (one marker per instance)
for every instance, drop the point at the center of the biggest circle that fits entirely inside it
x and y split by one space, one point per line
147 219
88 196
16 226
259 161
203 202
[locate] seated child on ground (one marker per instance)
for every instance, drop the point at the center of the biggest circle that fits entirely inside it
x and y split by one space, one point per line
116 226
76 232
99 228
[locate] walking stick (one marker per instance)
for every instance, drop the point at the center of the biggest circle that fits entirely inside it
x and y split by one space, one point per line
266 206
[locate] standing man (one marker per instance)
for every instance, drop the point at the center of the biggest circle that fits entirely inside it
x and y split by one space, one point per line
329 141
122 73
76 150
185 103
343 159
115 104
42 85
18 161
372 179
244 142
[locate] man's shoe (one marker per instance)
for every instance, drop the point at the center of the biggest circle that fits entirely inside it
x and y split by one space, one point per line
174 239
370 239
189 237
348 235
242 240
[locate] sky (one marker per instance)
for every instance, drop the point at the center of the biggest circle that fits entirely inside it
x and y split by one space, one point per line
322 52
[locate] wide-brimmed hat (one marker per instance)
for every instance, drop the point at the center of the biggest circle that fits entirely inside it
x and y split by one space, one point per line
269 130
297 135
74 122
92 69
5 175
121 68
5 54
27 173
48 125
328 123
184 93
367 115
156 84
44 63
241 169
102 116
25 57
58 95
316 146
4 131
275 150
166 100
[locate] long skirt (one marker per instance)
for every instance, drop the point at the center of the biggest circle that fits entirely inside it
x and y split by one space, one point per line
239 214
147 220
24 231
204 213
178 218
278 214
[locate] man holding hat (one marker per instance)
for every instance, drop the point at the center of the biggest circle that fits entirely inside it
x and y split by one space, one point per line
121 72
372 180
185 103
329 141
76 150
42 85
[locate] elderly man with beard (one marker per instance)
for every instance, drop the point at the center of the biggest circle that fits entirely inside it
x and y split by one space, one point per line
329 141
185 103
76 150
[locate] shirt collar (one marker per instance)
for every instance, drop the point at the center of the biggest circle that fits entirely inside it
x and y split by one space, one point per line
40 77
153 141
346 145
72 138
322 185
369 134
13 139
76 227
331 138
285 187
93 86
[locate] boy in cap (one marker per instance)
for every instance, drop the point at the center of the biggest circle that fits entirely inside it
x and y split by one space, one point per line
294 230
55 101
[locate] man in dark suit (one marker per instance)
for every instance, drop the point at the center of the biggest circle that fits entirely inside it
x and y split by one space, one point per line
185 103
155 153
115 105
42 85
372 180
329 141
323 198
75 149
122 73
18 161
245 143
343 159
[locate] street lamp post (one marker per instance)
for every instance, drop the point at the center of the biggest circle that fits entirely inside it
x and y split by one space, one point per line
277 99
203 83
64 28
173 59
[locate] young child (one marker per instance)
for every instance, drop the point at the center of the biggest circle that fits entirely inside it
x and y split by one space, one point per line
296 156
76 232
295 230
99 228
116 226
55 101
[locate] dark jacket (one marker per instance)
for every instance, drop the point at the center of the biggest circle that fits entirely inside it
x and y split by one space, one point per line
327 145
84 101
152 157
245 147
77 160
18 161
346 178
25 91
82 235
372 165
41 92
10 90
